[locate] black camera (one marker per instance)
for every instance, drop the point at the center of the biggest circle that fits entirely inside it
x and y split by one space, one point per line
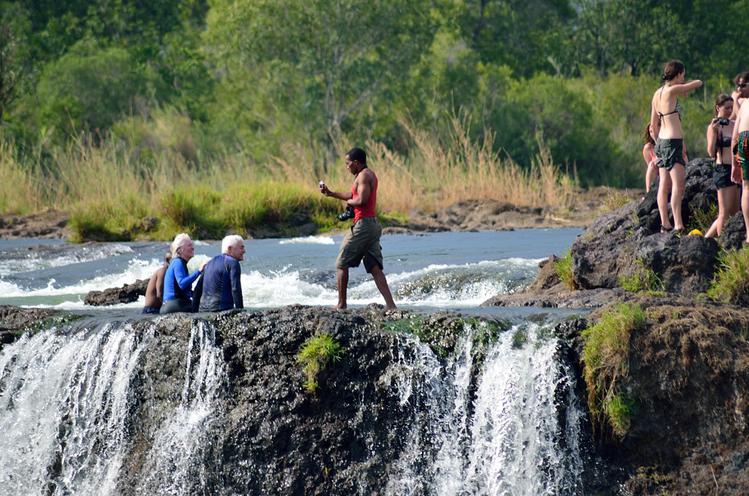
722 121
346 214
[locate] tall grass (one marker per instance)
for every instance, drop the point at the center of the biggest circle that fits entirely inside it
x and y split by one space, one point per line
115 191
606 358
731 282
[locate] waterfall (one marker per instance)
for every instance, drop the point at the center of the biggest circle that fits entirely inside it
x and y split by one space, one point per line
175 462
517 434
140 408
64 410
67 404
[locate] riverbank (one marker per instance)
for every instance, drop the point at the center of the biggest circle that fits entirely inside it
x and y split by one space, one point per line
466 215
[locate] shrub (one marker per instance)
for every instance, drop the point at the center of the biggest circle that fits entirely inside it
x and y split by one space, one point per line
606 361
314 355
563 268
89 88
731 282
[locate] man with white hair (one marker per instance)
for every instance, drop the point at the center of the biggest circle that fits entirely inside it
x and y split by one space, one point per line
221 285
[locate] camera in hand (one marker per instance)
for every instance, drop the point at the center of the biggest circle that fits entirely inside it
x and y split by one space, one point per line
346 214
722 121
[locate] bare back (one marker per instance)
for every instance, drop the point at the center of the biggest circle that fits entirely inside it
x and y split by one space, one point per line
155 289
666 111
742 121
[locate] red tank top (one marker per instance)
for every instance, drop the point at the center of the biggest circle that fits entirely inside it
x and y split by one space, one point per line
368 209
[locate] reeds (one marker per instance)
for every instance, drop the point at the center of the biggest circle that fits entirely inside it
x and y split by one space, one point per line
114 191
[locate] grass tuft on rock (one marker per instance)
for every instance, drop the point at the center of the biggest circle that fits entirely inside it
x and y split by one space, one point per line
643 279
606 361
731 282
314 355
563 268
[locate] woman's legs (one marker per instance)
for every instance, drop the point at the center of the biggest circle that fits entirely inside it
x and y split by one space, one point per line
664 187
677 193
724 199
650 176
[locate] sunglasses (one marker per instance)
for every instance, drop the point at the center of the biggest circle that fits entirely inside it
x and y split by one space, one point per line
742 85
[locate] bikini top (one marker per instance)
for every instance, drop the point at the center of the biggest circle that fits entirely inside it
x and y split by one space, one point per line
677 109
723 141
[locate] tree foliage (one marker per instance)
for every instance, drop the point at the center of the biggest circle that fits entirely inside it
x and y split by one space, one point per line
252 77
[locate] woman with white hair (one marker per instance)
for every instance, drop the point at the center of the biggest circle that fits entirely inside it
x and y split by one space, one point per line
177 280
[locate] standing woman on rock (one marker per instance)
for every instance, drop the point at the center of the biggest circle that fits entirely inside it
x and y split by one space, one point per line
665 120
177 281
651 161
719 134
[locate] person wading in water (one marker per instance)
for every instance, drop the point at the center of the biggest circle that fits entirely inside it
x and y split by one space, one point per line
362 242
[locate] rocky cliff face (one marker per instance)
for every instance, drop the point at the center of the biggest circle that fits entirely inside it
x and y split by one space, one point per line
688 374
215 404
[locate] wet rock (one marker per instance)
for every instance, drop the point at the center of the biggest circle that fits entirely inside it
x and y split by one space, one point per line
14 321
113 296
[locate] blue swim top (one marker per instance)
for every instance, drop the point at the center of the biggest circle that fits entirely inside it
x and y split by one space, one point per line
177 281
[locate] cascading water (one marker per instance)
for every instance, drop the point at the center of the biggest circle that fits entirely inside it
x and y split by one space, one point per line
175 462
63 410
66 412
142 408
519 435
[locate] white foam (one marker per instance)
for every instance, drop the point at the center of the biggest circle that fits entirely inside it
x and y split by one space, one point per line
38 260
137 269
308 240
285 287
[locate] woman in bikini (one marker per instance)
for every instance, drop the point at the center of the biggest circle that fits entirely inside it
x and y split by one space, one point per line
665 120
719 133
651 162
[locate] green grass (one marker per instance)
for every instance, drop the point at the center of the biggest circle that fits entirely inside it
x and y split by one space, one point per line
606 361
563 268
619 409
703 219
643 279
314 355
204 212
731 282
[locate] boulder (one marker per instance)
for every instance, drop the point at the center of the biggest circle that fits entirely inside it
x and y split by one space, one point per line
628 242
112 296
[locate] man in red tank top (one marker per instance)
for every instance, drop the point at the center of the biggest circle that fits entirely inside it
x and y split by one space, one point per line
362 242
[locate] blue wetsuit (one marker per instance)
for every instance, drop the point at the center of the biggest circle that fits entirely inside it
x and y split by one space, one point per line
178 287
220 287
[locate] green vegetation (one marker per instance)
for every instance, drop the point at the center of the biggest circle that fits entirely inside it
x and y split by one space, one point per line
619 409
314 355
731 282
642 279
703 219
563 268
117 110
606 362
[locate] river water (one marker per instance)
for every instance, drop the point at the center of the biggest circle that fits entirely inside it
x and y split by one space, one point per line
454 270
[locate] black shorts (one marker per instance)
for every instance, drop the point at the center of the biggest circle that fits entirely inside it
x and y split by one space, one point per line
669 152
722 176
